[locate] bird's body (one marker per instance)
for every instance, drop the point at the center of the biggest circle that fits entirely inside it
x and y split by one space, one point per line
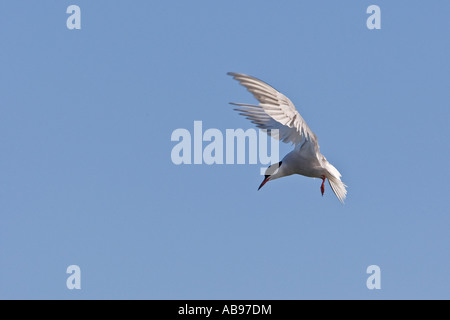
302 161
276 111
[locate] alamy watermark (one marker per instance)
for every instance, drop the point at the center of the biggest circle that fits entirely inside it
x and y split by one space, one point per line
74 280
374 21
214 147
74 20
374 280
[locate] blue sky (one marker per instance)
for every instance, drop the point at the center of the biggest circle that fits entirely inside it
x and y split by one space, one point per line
86 175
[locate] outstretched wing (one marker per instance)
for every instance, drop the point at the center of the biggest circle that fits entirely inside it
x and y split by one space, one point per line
275 111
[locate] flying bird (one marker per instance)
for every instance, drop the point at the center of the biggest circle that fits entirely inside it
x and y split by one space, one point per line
276 111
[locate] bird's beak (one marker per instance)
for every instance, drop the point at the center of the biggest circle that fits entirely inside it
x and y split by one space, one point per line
267 178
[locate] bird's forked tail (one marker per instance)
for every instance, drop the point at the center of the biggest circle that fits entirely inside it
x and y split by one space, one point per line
334 178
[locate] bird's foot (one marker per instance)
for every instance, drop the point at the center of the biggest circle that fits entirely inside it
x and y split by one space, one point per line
322 187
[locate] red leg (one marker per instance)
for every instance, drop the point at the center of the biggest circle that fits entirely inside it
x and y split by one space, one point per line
322 187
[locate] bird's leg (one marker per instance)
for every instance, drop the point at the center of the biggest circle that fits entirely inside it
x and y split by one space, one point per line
322 187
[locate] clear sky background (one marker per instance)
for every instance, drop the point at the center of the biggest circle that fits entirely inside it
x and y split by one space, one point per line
86 176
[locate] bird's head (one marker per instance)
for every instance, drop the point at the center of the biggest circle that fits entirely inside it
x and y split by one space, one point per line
272 172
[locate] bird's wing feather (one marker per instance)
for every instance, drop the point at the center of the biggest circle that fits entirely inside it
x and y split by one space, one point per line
275 111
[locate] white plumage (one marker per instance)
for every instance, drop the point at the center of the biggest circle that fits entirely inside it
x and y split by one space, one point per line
276 111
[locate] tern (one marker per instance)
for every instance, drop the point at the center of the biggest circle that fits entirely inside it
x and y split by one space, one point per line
276 111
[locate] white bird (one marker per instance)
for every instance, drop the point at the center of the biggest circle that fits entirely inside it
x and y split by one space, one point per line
276 111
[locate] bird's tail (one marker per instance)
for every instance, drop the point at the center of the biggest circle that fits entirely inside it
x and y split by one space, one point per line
338 187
